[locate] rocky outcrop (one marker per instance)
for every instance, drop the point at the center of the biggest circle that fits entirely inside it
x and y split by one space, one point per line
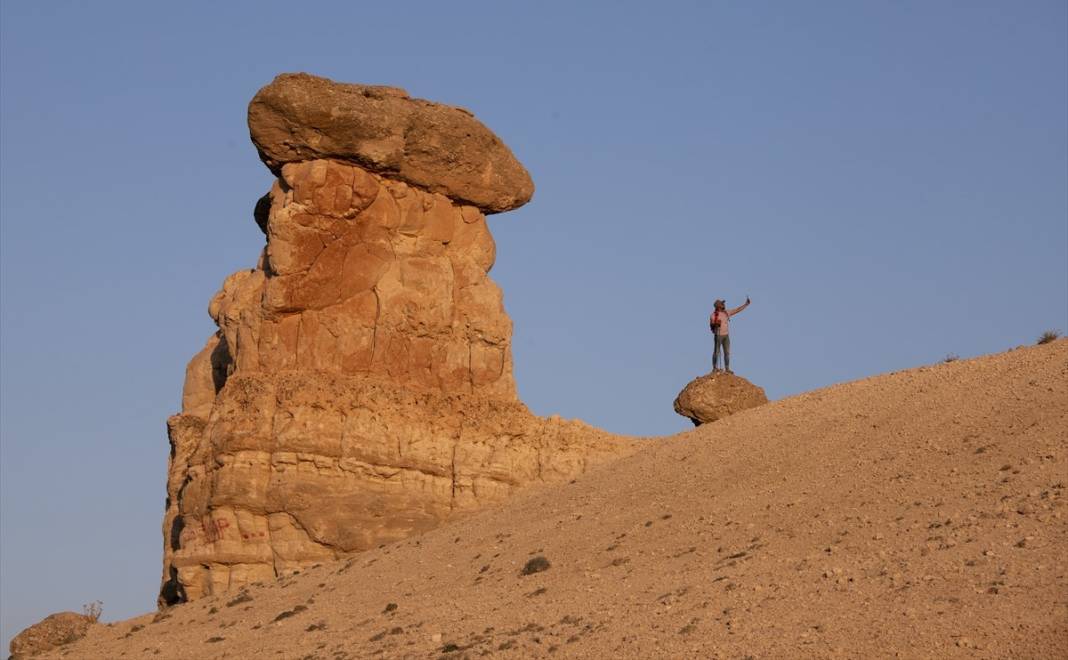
436 147
51 632
717 395
359 389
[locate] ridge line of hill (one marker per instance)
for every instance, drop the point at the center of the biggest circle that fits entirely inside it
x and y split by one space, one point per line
914 514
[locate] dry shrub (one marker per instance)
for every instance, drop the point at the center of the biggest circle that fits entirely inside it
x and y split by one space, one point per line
1048 336
93 610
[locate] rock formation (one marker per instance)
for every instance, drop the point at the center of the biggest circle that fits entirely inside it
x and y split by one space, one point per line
49 633
359 389
436 147
716 395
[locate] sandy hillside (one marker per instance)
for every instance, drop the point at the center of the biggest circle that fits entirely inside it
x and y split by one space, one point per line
915 514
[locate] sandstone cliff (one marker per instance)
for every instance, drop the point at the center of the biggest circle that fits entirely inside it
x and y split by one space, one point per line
359 389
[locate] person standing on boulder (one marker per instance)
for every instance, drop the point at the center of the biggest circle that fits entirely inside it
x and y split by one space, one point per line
719 322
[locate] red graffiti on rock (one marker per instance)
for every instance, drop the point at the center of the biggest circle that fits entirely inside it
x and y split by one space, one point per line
209 531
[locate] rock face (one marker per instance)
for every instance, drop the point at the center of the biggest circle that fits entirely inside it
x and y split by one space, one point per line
51 632
716 395
359 389
439 148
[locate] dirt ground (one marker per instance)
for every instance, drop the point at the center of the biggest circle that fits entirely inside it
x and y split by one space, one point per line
918 514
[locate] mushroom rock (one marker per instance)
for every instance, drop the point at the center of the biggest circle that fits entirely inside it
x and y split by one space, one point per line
439 148
359 388
717 395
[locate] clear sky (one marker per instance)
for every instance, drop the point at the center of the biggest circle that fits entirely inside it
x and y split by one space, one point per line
887 180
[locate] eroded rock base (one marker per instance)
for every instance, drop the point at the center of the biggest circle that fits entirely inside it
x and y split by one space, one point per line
299 468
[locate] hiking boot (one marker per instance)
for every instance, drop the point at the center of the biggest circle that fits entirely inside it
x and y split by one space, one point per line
730 372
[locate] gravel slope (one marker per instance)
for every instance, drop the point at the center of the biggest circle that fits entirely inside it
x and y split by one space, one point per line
915 514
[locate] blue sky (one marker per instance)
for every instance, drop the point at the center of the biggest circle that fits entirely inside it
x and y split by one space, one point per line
887 180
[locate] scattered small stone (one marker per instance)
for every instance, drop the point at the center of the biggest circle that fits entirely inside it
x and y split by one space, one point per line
242 597
390 607
535 565
288 613
214 640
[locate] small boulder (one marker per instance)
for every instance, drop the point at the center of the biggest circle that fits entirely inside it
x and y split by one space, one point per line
53 631
717 395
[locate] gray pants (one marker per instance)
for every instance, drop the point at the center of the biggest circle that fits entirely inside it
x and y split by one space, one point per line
725 342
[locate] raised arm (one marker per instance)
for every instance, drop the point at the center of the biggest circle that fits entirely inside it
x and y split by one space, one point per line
734 311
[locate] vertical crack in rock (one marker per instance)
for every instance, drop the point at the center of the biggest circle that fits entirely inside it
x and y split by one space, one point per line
359 389
470 369
374 330
452 472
